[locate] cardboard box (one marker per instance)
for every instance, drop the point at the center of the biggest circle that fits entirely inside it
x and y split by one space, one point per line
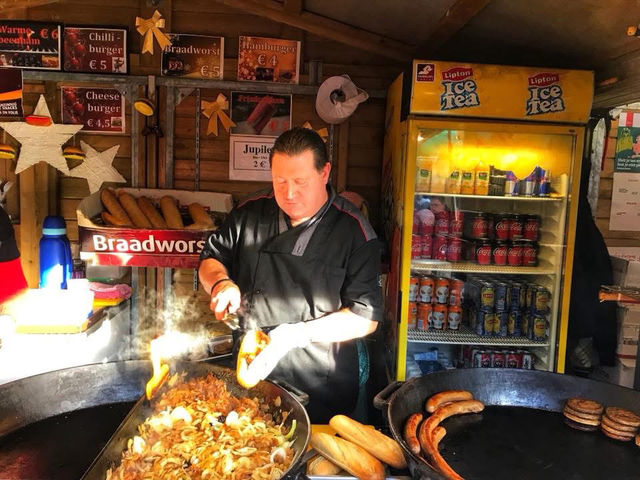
628 331
626 273
139 247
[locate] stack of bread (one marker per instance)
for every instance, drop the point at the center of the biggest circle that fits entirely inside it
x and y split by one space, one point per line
582 414
125 211
360 450
620 424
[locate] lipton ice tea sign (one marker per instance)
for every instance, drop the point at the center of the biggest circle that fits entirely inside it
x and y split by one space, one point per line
459 89
545 94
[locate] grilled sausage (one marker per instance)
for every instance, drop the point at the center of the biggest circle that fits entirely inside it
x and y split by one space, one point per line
411 432
447 396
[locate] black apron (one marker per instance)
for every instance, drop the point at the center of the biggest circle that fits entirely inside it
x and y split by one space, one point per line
295 284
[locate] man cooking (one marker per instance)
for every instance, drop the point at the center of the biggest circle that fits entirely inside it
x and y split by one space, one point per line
306 264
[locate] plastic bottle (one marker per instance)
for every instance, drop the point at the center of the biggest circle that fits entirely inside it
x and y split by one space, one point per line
482 179
55 254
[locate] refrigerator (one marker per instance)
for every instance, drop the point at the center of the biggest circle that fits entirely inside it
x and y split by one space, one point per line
481 171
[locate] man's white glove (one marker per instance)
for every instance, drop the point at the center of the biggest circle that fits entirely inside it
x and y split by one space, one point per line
284 338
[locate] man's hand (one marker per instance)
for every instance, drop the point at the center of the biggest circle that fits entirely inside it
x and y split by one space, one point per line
225 297
284 338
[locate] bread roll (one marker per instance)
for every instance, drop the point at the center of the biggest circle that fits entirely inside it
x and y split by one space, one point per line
130 205
200 216
374 442
112 221
354 459
321 466
151 212
170 212
113 206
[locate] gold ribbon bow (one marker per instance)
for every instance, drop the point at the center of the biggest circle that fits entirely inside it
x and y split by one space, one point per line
150 27
323 132
214 111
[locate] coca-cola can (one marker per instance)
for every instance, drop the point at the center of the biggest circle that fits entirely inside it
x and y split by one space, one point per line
439 247
499 253
482 359
527 360
516 227
442 223
416 246
454 249
427 246
530 254
426 228
479 226
490 226
514 359
483 252
502 226
514 254
497 359
456 223
416 226
531 229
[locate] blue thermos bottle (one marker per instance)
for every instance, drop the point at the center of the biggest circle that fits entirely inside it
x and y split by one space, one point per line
56 264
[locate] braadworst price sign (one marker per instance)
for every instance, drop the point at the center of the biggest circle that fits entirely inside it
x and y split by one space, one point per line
100 110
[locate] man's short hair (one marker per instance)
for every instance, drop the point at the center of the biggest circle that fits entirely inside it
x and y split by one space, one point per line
299 139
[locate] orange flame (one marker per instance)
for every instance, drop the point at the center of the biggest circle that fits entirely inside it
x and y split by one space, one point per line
160 370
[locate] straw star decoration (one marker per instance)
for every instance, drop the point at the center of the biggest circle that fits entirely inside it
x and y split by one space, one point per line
97 167
149 28
41 143
323 132
214 111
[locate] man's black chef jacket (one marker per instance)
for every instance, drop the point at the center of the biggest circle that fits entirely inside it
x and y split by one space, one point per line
291 274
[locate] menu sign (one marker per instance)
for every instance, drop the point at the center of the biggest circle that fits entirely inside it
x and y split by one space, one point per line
10 93
95 50
625 195
195 56
100 110
268 59
26 44
249 157
266 114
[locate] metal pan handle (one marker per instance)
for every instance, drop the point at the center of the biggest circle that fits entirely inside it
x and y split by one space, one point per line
301 396
381 400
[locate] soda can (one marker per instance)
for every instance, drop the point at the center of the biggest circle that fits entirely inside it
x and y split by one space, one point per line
539 327
516 226
502 320
545 183
530 184
455 292
529 254
426 228
488 320
454 318
499 253
514 323
497 359
442 291
514 254
531 288
414 285
483 251
501 296
541 300
424 316
485 359
490 227
501 227
456 223
527 326
442 223
454 249
477 358
439 317
518 296
479 226
425 293
439 247
531 230
426 248
487 296
527 360
513 359
416 246
412 318
478 322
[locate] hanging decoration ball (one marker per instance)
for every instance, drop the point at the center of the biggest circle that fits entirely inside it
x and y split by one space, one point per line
145 107
73 153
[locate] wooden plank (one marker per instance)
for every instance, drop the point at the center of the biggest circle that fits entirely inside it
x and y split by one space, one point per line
363 177
367 135
8 6
369 157
293 6
325 27
236 188
603 226
456 17
343 156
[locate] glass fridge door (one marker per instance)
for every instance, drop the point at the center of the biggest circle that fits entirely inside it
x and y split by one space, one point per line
487 206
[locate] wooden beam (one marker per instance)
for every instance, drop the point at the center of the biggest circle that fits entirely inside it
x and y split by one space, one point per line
456 17
326 28
343 156
294 6
10 5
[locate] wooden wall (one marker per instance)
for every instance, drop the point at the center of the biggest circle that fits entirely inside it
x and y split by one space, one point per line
613 238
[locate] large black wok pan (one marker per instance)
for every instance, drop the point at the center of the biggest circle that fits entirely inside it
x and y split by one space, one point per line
265 391
521 433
